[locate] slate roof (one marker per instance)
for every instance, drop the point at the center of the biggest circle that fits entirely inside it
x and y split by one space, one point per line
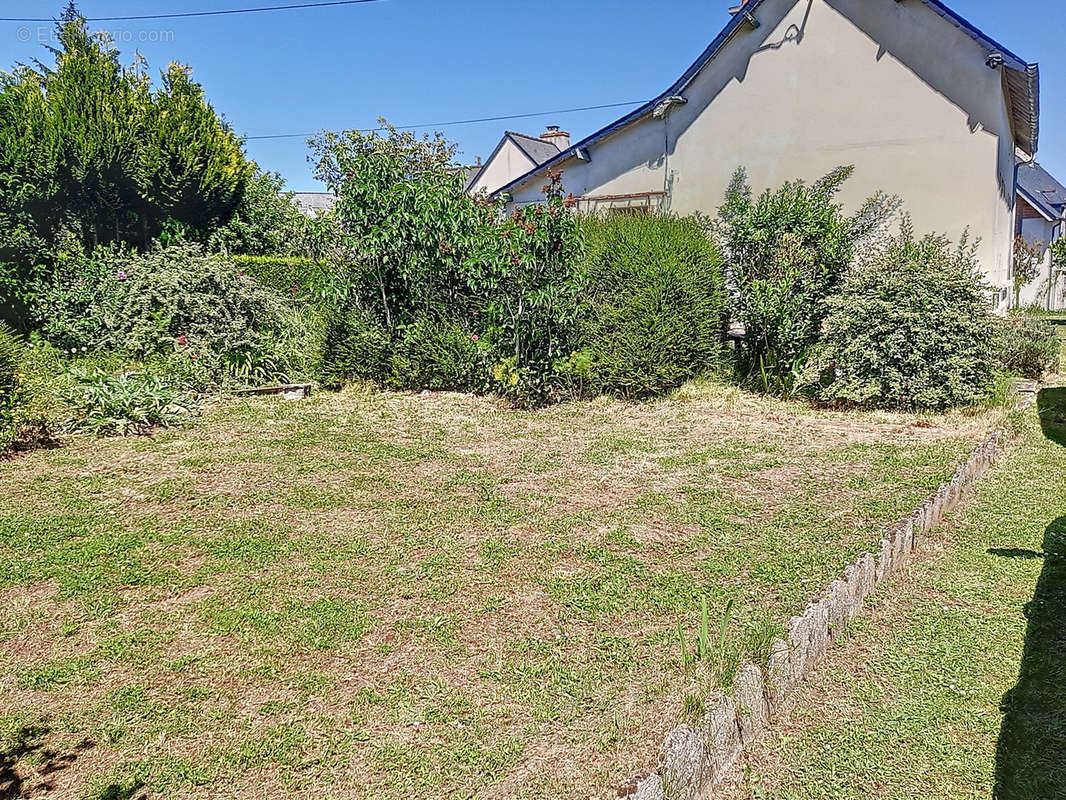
1021 81
311 202
536 150
1042 190
471 172
534 147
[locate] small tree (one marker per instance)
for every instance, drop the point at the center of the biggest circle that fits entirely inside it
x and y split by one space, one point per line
786 255
405 219
423 258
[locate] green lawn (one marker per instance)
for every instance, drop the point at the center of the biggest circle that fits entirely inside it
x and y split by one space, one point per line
374 595
953 685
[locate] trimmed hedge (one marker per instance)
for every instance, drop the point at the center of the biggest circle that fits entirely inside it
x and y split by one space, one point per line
290 275
655 315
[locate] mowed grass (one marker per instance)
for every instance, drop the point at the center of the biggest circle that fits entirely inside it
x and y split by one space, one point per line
374 595
953 685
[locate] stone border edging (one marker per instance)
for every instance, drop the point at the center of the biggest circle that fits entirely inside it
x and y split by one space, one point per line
695 759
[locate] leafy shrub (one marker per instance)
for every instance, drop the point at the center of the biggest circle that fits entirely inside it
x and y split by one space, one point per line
787 252
417 249
911 329
355 348
174 303
288 275
1026 347
130 403
10 384
530 288
265 222
439 355
656 311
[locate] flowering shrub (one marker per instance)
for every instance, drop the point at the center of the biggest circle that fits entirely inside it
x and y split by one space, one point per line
529 286
199 313
911 329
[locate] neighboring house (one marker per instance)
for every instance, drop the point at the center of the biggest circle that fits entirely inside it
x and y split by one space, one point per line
470 172
924 105
1041 220
516 155
313 203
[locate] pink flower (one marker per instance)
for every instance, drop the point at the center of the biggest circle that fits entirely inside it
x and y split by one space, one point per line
80 281
183 340
121 275
474 338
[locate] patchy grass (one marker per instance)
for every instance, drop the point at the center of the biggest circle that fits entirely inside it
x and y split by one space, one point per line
388 596
954 684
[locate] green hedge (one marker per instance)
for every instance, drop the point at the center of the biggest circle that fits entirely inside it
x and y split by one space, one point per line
655 314
285 274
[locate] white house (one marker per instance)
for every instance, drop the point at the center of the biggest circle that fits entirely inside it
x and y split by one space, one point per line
924 105
1041 220
516 155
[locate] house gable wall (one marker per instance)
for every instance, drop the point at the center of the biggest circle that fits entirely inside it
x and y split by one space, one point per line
889 87
504 165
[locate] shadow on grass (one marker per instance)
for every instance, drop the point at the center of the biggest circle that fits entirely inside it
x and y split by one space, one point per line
29 769
1051 405
27 746
1031 753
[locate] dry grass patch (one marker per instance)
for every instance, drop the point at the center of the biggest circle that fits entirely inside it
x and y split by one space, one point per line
392 595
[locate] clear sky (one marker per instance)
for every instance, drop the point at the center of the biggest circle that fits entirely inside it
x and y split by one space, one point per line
427 61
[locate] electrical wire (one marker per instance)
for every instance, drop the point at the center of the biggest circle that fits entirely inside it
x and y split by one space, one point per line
184 14
460 121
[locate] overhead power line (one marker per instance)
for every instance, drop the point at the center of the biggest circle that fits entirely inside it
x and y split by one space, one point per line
461 121
219 13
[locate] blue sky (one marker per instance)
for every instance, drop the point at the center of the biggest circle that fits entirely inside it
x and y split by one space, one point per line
425 61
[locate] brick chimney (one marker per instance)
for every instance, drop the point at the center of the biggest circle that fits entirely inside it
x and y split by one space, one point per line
560 139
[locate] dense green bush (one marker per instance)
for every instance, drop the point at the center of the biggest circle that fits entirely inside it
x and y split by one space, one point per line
787 252
11 349
439 355
911 329
297 276
265 222
1026 347
198 313
91 153
417 249
129 403
355 348
656 309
